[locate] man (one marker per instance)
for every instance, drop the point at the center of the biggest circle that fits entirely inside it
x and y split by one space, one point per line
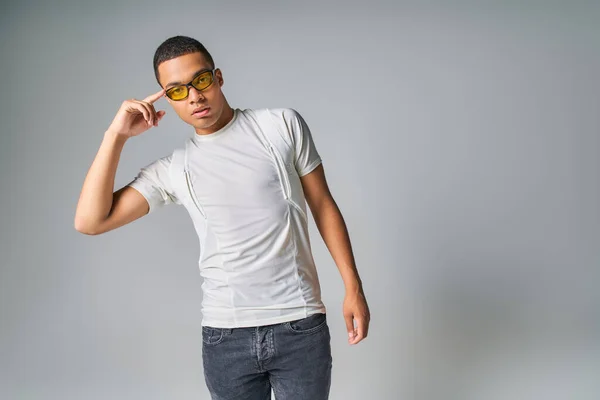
264 324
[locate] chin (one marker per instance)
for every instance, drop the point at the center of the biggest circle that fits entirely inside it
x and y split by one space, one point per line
208 122
204 123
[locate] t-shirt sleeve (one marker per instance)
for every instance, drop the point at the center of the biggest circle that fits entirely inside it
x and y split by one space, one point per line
154 184
307 157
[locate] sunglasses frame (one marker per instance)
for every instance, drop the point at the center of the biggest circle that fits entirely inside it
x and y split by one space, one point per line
187 85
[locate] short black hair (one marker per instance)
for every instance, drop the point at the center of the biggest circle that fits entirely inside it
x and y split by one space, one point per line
177 46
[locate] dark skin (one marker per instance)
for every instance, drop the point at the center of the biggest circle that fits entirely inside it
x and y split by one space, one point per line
183 69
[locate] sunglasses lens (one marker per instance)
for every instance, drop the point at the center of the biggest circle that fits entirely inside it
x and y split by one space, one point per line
177 92
203 80
200 82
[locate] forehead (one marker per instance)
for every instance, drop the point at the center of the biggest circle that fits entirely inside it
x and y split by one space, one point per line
182 68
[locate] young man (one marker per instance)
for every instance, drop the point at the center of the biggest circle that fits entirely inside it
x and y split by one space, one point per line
264 324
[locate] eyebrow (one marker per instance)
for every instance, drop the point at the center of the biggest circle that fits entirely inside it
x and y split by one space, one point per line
195 75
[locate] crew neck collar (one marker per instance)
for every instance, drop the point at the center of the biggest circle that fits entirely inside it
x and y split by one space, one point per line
211 136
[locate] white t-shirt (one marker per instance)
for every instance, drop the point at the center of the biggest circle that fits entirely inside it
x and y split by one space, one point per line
256 259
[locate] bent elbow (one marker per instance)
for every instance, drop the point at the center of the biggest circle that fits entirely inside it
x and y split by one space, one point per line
82 226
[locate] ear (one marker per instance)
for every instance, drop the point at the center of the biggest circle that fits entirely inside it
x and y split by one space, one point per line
219 77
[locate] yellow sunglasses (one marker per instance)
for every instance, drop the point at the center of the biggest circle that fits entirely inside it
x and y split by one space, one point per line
201 81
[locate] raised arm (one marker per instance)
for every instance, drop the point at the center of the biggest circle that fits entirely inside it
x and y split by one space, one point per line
99 208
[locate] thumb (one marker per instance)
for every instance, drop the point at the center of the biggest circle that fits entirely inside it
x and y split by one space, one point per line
160 114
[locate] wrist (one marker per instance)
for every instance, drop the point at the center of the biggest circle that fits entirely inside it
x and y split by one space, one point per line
114 137
354 287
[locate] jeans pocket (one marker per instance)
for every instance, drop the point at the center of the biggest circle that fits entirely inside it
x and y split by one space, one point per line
212 336
312 323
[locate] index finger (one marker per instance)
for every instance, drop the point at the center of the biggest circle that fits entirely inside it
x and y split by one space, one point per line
153 97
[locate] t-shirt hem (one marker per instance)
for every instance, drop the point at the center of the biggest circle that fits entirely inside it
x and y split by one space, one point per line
310 168
151 205
268 321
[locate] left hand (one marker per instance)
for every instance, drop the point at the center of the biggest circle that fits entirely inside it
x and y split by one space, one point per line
356 309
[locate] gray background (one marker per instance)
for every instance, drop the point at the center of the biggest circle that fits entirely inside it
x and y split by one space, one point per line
460 140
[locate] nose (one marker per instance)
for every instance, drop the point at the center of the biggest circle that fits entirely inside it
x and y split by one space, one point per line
194 94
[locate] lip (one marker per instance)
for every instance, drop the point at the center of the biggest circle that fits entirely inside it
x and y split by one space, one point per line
200 111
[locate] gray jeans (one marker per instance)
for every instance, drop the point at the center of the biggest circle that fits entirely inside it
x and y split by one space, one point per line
293 358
